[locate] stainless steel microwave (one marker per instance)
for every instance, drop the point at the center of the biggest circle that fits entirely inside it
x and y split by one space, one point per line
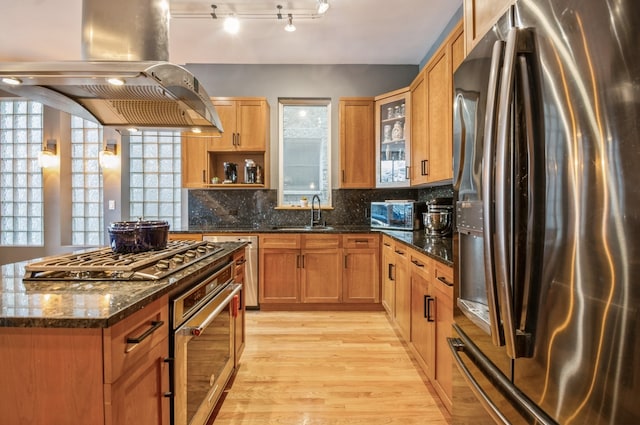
397 214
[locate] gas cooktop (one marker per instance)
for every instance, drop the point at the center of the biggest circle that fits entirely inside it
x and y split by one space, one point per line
104 264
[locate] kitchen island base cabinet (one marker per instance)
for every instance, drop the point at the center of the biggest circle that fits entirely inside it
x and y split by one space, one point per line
69 376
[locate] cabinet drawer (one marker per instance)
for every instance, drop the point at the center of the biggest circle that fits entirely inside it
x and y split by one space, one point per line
120 349
278 240
444 276
422 264
360 241
330 241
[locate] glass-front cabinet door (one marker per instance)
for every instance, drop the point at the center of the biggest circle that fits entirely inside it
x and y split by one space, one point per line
393 138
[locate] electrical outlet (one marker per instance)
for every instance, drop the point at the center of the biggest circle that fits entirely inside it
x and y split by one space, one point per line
112 204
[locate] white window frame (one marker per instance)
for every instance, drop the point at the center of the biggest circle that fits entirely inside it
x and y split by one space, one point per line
282 102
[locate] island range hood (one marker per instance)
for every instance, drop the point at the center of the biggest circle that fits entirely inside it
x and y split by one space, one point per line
125 80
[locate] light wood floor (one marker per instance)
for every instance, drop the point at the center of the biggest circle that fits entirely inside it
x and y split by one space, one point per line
327 368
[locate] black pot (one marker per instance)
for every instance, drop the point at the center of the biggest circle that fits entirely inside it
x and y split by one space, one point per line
138 236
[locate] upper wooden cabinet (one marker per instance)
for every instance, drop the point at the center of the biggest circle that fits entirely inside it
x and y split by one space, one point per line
245 122
393 138
357 167
432 114
479 17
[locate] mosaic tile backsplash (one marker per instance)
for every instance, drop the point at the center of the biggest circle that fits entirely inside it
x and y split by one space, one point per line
210 208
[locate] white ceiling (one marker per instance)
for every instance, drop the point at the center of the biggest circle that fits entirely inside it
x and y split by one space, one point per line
351 32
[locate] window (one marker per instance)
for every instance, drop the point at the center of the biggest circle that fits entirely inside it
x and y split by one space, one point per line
87 220
21 212
154 178
305 150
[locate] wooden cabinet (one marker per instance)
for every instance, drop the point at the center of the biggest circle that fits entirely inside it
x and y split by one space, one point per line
279 268
300 268
245 122
239 260
195 161
403 290
422 313
393 138
480 16
87 375
319 270
431 321
357 158
361 272
387 281
432 115
419 147
443 294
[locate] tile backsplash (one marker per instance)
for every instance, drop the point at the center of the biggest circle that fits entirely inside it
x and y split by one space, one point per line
211 208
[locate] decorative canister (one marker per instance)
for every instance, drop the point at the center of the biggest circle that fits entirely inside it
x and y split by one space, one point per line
396 133
390 113
398 113
387 133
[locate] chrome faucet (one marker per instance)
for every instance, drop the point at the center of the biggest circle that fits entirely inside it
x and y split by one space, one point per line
316 216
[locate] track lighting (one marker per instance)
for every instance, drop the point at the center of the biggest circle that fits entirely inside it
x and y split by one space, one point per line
231 17
232 24
323 6
290 27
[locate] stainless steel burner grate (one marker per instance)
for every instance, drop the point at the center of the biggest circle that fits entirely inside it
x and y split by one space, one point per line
105 264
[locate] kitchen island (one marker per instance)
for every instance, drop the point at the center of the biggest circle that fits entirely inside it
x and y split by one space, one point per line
91 351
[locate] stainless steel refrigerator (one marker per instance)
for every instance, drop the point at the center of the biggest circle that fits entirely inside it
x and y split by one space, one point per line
547 193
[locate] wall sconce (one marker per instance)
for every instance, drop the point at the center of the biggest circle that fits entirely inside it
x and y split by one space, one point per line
48 156
108 158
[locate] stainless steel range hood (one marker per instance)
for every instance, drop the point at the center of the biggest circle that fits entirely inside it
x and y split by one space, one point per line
124 42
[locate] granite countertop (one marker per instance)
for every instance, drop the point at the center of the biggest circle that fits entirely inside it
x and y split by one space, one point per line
83 304
439 248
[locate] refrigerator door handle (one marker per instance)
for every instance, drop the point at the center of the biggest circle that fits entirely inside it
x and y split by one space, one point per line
523 404
488 191
502 205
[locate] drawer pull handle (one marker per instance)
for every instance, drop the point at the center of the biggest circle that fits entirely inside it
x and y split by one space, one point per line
417 263
137 340
443 280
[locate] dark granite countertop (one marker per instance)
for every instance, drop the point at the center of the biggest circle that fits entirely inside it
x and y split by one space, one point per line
439 248
83 304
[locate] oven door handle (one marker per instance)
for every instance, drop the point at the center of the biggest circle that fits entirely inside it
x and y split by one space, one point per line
196 330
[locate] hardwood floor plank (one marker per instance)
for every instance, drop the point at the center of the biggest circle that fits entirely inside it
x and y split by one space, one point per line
327 368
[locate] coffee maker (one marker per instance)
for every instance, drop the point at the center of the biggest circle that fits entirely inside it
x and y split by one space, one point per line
250 171
230 172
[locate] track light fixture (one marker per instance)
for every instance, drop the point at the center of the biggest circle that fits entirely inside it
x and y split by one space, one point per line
290 27
323 6
232 17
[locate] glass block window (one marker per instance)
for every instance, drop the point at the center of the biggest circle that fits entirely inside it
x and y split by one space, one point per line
87 221
21 207
155 177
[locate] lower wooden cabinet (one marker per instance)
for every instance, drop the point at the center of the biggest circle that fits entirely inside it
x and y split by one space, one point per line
388 284
361 271
418 296
319 269
87 376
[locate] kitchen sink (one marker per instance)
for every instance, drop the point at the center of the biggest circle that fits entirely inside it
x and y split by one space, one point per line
303 228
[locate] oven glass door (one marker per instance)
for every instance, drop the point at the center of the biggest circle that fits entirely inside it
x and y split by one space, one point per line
204 359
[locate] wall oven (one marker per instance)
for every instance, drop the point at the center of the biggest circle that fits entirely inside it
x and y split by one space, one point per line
203 345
